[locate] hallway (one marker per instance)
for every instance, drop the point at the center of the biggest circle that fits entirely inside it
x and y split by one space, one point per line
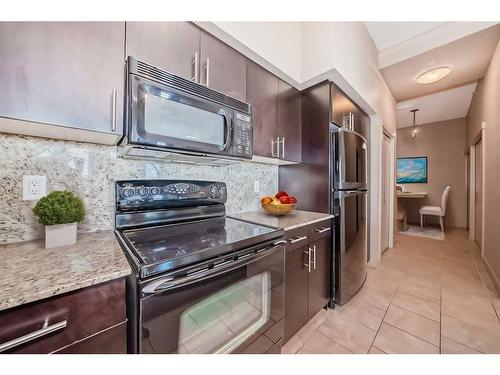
427 296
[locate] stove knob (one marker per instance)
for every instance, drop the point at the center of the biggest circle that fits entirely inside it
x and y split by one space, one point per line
128 192
222 190
213 190
155 190
143 191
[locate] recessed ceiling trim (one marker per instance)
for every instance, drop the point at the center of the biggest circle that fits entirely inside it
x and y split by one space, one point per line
436 37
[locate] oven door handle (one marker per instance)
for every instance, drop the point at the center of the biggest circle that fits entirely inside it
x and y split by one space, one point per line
167 283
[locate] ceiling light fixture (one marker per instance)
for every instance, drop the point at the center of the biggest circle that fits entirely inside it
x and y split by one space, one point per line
434 75
414 130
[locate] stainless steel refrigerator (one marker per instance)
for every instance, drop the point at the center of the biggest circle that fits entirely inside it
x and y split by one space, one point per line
348 165
332 179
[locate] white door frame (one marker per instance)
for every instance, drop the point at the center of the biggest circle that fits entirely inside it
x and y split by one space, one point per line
392 187
480 136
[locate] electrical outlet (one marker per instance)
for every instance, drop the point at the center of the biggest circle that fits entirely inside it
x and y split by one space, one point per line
256 186
33 187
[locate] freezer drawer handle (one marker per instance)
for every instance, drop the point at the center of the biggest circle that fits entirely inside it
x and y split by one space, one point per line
322 230
297 239
32 336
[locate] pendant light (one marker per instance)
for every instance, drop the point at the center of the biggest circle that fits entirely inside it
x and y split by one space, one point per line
414 129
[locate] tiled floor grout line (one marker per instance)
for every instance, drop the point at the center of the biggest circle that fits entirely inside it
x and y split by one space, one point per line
467 346
350 351
411 334
441 320
423 316
382 321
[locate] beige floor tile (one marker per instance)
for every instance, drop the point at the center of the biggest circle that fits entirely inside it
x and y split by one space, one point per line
473 309
321 344
467 334
425 329
452 347
418 305
364 313
418 287
375 350
382 280
351 335
292 346
375 297
392 340
305 332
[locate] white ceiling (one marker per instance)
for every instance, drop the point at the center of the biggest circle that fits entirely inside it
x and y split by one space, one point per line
469 57
441 106
388 34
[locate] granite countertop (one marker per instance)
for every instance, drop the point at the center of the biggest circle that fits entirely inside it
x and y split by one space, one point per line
29 272
293 220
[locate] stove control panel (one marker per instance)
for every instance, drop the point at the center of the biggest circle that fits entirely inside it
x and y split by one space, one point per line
155 194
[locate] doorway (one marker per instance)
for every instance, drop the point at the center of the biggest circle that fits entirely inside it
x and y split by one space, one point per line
478 196
385 225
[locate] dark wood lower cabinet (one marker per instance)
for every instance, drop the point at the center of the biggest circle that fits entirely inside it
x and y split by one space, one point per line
110 341
54 323
296 291
319 278
307 288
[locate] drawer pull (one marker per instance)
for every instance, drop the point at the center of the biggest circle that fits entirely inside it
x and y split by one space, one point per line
32 336
297 239
322 230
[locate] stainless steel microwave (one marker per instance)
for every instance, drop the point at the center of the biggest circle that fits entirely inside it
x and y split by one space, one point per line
168 113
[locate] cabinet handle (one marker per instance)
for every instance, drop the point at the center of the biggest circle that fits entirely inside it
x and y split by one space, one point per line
297 239
308 264
195 65
32 336
207 73
113 114
282 148
313 250
275 142
322 230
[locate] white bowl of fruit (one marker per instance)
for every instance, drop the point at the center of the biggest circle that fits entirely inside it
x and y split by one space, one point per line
279 205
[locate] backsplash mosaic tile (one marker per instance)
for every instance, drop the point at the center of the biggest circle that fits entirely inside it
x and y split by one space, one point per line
90 171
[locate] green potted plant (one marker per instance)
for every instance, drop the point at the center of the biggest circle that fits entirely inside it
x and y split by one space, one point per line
59 211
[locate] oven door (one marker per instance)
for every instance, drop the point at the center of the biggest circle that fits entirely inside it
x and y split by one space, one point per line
163 116
231 308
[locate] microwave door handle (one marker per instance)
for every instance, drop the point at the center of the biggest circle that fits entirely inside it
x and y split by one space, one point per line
169 283
228 123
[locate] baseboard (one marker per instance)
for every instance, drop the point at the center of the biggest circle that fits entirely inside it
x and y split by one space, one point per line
491 274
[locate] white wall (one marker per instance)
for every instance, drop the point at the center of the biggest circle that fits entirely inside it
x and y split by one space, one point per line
348 49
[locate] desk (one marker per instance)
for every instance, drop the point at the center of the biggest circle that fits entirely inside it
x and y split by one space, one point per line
414 195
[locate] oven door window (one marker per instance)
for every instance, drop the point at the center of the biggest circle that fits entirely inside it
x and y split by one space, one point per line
168 117
223 314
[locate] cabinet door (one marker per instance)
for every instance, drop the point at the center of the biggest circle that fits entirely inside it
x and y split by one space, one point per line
289 122
63 73
170 46
222 68
296 290
319 278
262 94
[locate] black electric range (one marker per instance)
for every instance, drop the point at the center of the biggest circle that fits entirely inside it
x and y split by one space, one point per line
210 281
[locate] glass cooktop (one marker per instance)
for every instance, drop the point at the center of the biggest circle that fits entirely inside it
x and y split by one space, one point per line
168 247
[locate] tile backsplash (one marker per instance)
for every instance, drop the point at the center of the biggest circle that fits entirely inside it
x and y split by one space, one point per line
90 171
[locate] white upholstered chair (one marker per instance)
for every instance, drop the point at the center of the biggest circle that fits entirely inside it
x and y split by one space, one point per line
436 210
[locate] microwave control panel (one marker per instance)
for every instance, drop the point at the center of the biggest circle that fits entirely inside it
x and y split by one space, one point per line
243 136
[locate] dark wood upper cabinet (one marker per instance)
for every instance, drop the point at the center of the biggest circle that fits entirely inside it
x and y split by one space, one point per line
319 278
222 68
63 73
262 94
171 46
289 122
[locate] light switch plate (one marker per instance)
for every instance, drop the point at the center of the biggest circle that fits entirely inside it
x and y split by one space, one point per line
34 187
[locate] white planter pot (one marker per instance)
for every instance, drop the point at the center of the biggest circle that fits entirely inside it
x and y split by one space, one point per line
60 235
